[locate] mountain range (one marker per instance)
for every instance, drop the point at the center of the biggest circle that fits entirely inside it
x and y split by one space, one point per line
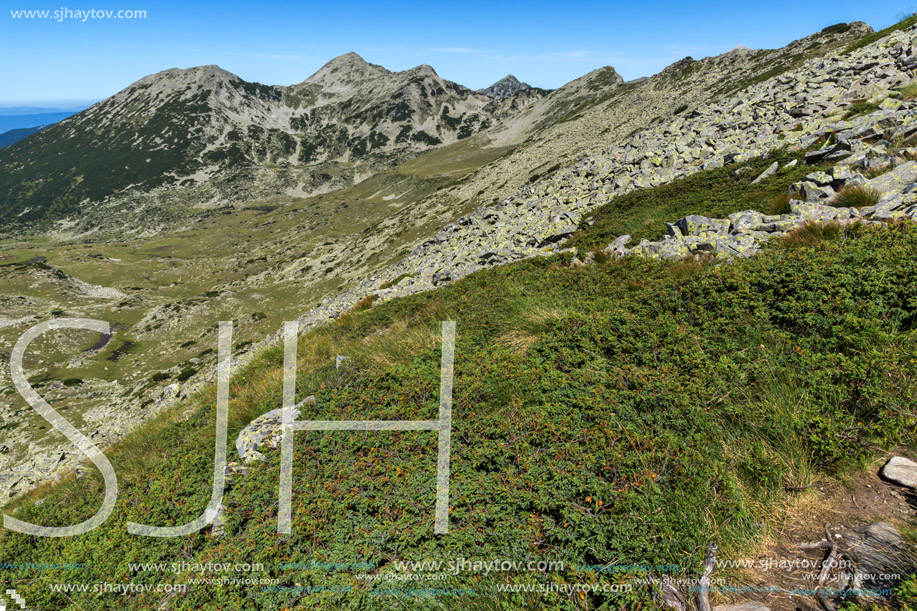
182 141
184 128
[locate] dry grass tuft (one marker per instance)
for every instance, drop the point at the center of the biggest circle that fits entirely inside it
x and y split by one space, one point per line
857 196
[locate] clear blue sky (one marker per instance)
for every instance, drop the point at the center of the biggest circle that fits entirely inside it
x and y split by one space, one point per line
545 43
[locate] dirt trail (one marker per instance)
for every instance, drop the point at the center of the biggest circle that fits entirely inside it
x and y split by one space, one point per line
782 565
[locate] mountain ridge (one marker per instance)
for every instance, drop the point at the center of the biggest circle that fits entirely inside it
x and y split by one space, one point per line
183 140
180 127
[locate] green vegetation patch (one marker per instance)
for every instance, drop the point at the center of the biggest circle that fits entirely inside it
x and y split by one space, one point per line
714 193
861 108
631 412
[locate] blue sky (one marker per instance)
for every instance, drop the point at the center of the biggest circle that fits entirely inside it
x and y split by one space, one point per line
545 43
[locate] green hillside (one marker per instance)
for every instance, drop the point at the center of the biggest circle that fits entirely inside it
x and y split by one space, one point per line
629 412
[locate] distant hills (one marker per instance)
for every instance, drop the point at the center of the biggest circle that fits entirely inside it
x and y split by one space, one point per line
27 116
19 122
15 135
14 111
180 128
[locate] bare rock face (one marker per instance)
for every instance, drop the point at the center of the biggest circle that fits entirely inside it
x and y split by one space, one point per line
506 86
901 471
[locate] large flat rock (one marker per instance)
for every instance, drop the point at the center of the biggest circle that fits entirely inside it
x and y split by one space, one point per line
901 471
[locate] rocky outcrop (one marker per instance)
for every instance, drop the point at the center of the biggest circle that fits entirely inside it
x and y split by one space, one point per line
506 86
795 110
743 233
265 431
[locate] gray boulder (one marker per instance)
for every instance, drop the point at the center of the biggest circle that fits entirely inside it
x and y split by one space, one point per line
694 224
746 220
442 277
618 248
766 173
902 471
265 430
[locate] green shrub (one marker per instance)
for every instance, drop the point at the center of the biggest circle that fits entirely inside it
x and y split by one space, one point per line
186 373
657 406
780 204
837 28
73 381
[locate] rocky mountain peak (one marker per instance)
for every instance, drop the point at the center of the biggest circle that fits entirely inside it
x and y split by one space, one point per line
206 76
506 86
344 68
425 69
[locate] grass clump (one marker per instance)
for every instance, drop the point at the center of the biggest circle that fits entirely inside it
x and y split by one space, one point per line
907 92
780 204
856 196
877 170
811 234
365 303
861 108
394 281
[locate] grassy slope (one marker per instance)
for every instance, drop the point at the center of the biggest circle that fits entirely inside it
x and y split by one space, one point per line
628 412
226 266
